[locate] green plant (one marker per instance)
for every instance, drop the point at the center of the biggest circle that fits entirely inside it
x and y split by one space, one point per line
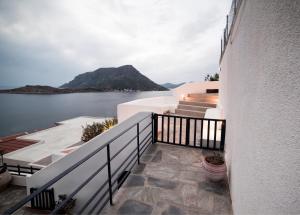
216 159
214 77
91 131
109 123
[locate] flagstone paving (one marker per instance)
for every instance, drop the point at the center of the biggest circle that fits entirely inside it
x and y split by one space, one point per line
170 181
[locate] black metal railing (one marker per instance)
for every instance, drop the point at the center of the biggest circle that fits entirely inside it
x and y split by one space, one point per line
20 170
230 20
106 190
189 131
186 131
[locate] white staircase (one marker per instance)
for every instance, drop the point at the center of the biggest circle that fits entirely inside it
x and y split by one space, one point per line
196 104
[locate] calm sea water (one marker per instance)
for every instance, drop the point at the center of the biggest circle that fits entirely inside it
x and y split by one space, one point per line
20 113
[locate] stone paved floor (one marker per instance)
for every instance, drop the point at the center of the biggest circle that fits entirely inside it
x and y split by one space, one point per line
170 181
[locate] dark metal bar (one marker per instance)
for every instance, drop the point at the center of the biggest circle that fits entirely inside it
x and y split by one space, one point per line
141 131
168 133
18 166
223 130
155 127
215 134
88 202
162 128
187 131
138 141
97 204
201 134
195 131
174 130
208 130
63 203
152 127
180 131
109 175
125 146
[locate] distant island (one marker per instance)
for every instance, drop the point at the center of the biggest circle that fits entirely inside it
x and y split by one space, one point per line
114 78
171 86
123 78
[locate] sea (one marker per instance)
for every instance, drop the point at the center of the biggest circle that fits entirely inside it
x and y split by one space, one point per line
26 113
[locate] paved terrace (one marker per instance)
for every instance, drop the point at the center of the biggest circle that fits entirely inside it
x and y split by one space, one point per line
170 180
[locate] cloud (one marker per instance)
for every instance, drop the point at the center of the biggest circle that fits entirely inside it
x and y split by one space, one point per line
49 42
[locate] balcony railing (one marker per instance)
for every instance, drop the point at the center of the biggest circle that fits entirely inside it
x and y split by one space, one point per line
230 20
20 170
117 160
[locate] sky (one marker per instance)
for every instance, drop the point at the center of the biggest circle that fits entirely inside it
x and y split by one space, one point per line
50 42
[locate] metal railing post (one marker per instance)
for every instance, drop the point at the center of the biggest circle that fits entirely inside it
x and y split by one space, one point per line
109 175
152 127
155 118
18 166
223 130
138 141
187 132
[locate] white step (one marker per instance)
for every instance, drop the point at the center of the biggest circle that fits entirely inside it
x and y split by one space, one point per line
192 107
201 104
190 113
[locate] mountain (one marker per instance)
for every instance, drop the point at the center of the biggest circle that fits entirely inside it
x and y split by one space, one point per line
110 79
35 89
38 89
171 86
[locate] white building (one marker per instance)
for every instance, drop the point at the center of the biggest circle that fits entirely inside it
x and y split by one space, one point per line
260 99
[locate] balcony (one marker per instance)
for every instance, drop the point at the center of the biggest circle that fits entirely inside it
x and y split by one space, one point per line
170 180
137 167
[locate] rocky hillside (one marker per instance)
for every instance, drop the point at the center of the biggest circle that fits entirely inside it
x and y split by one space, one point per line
114 78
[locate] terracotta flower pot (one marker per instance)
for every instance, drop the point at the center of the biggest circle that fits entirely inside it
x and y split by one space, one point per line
5 178
215 171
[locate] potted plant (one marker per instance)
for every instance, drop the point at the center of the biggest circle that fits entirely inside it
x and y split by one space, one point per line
214 167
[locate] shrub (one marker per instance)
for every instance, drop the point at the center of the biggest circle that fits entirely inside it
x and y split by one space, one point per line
214 77
91 131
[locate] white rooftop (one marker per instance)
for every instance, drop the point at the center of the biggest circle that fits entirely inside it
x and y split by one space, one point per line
52 140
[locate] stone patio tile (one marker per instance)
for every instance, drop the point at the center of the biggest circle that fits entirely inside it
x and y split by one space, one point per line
172 181
135 207
156 182
135 180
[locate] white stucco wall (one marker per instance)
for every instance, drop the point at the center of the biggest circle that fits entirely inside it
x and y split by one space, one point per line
194 87
260 99
158 105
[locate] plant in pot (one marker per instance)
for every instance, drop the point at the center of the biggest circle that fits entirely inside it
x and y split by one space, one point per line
214 167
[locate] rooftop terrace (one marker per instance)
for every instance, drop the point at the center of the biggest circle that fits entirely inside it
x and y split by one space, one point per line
170 180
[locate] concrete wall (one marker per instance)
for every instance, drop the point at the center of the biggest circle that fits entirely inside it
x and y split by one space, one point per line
155 104
194 87
71 181
260 99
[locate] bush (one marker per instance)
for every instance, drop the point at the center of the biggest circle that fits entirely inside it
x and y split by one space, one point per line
214 77
91 131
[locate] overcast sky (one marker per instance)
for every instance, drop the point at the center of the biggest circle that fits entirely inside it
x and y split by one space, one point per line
51 41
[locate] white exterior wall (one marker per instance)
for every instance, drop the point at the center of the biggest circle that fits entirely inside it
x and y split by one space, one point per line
155 104
194 87
260 99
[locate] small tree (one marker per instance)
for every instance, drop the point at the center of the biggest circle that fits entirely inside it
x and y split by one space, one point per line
91 131
214 77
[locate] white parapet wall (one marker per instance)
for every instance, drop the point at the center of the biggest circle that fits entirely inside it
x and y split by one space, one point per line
97 145
155 104
194 87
